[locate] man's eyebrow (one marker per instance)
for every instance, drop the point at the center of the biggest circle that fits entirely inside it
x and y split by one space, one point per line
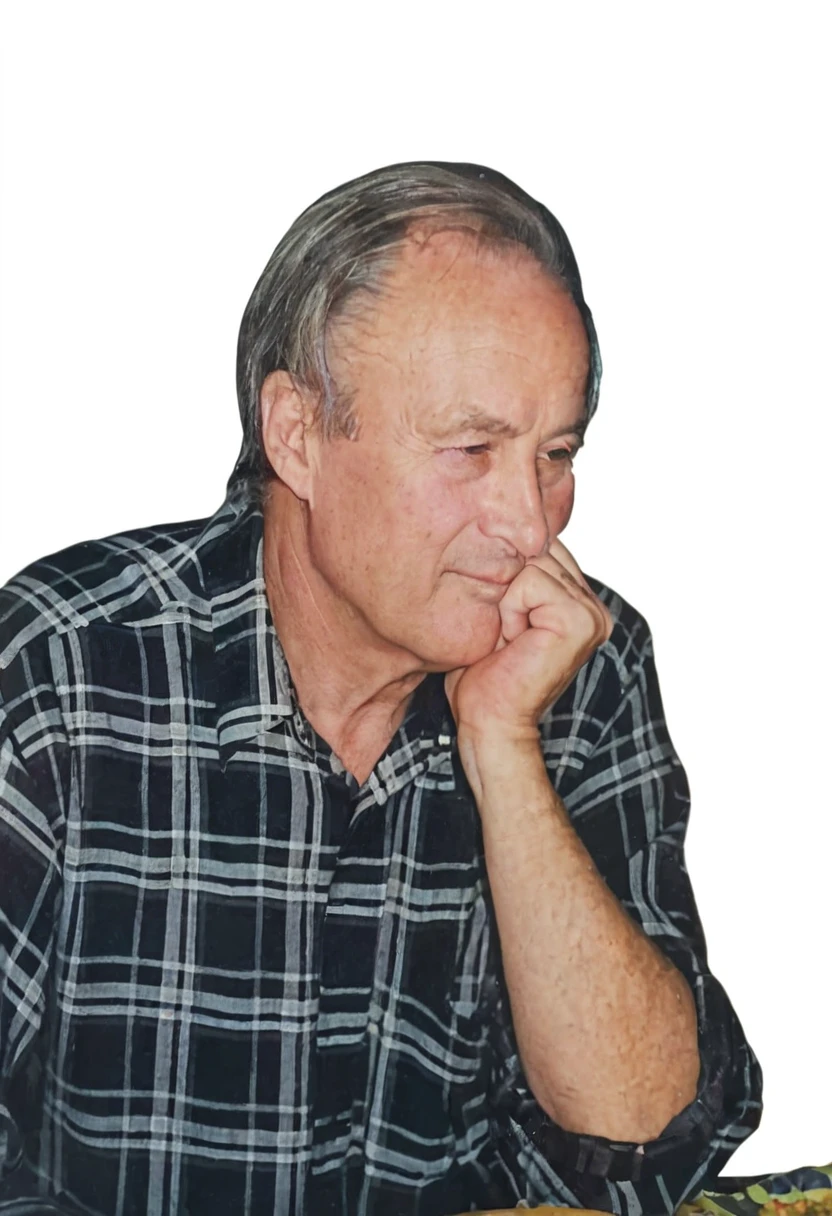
471 419
577 428
480 420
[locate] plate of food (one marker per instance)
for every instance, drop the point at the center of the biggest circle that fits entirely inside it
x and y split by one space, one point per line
803 1192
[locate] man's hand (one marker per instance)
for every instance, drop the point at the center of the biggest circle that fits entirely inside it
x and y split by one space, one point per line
606 1026
551 624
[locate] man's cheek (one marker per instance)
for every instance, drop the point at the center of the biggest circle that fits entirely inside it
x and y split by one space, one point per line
559 504
430 512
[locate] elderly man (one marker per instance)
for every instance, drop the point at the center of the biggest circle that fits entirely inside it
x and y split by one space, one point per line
341 834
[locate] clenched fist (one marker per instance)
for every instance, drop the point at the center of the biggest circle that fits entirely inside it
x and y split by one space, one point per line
551 623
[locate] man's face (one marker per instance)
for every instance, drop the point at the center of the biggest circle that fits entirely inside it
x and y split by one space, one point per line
468 377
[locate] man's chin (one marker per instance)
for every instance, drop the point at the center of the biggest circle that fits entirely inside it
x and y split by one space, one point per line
465 652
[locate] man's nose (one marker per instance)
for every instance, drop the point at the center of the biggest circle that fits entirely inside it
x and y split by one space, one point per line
515 513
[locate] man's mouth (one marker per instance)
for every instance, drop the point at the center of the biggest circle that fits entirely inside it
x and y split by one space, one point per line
486 581
482 576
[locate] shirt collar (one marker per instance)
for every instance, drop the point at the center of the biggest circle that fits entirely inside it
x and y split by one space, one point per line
253 687
252 684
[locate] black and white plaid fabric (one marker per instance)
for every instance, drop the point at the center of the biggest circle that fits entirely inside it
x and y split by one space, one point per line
233 981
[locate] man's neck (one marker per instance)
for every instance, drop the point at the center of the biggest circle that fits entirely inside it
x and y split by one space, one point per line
352 686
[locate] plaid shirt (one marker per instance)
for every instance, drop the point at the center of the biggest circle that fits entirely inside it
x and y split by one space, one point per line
235 982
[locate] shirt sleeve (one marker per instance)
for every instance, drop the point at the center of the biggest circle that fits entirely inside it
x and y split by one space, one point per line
627 796
31 781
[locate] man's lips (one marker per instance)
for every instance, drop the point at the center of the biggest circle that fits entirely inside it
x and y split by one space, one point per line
491 579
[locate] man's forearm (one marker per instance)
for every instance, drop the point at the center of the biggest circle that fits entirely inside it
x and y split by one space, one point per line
606 1026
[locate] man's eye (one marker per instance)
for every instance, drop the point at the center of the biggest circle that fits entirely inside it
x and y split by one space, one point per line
474 449
557 454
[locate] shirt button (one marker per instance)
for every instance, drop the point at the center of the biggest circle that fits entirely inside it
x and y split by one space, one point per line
302 729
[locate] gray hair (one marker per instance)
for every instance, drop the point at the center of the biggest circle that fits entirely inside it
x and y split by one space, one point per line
342 245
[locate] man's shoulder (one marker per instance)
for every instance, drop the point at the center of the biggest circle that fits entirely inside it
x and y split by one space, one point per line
134 571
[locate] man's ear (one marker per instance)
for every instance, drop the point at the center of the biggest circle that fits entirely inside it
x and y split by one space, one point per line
289 438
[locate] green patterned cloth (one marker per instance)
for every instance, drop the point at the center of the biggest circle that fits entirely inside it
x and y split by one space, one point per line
745 1196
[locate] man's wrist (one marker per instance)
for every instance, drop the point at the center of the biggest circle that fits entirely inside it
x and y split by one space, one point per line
494 733
497 757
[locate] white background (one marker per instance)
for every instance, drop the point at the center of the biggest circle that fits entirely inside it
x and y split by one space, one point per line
154 153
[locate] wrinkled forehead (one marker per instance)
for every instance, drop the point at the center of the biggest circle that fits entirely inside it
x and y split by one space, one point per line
460 317
449 287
